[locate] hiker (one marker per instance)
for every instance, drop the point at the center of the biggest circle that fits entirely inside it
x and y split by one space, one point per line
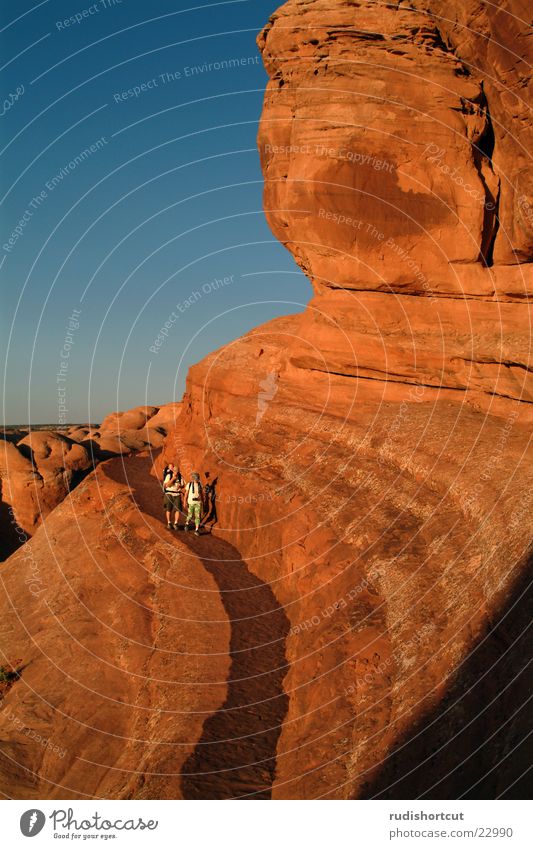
172 487
194 498
210 494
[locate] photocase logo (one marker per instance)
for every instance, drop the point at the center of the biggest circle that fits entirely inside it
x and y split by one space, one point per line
32 822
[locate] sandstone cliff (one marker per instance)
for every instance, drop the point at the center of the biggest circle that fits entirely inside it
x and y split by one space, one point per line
373 455
363 597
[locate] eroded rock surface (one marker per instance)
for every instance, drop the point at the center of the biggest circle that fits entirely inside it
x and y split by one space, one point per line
374 455
372 458
112 621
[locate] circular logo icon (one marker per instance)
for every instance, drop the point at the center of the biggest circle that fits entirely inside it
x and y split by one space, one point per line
32 822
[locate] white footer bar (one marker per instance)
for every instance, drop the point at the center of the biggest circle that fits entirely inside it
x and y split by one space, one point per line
264 825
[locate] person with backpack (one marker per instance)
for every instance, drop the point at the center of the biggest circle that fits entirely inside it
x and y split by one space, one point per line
194 499
172 488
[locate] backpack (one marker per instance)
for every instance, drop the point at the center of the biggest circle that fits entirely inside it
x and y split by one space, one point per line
176 486
199 492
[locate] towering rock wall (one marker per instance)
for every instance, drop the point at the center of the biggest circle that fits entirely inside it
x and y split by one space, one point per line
372 451
361 628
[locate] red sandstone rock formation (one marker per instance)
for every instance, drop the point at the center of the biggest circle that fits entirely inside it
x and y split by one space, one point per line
37 473
113 646
360 597
40 469
373 456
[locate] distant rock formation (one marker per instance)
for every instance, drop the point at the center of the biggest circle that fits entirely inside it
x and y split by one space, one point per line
40 467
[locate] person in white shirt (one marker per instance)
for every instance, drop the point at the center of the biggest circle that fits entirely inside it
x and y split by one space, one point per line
194 498
172 487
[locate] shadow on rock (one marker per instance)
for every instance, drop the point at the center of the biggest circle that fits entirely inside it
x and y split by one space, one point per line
477 744
236 754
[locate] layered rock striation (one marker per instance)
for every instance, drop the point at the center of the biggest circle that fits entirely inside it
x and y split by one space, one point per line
364 595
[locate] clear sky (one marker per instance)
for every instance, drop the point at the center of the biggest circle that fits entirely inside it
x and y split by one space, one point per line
130 181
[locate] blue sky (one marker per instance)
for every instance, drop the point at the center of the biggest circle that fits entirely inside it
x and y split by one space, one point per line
130 180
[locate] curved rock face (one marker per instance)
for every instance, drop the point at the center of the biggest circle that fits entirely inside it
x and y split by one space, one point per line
395 148
142 661
363 620
373 455
110 647
385 171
